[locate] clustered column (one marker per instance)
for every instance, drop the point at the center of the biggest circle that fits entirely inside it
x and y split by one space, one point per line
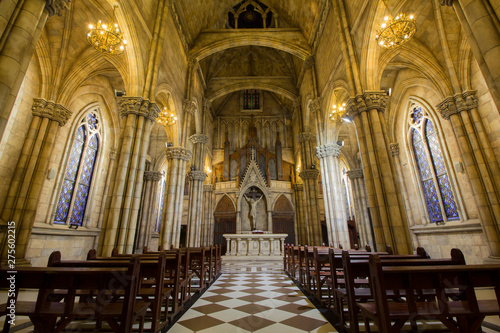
177 158
139 116
23 22
335 214
148 207
300 219
196 176
479 160
360 204
310 178
208 216
26 186
387 215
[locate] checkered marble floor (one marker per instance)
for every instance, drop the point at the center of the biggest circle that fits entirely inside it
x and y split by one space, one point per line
252 302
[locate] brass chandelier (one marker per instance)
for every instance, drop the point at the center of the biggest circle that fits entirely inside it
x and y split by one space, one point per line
395 31
166 118
106 38
339 112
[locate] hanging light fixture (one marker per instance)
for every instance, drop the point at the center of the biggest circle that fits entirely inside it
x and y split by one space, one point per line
339 112
165 117
396 30
107 38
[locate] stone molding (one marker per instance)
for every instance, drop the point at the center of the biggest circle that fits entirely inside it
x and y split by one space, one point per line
189 106
199 138
446 2
328 150
56 7
298 187
207 105
309 174
112 154
368 101
193 63
152 175
315 105
208 188
50 110
197 175
179 153
455 104
305 136
394 148
355 173
139 107
309 62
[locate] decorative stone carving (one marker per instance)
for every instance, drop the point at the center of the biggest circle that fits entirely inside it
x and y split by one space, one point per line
446 2
447 107
208 188
309 174
197 175
309 62
394 148
355 173
193 63
305 136
199 138
368 101
315 105
470 98
50 110
112 154
189 106
56 7
179 153
328 150
298 187
152 175
458 103
139 107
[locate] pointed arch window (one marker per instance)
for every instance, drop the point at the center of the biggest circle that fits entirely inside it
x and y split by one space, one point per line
432 171
77 179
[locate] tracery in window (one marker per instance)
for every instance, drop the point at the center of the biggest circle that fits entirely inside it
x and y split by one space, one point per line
251 99
251 14
433 174
77 180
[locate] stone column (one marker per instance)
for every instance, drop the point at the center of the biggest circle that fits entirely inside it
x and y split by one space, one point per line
208 215
387 215
336 217
479 160
149 204
17 45
139 115
170 229
310 178
270 221
31 170
360 204
300 222
483 34
196 177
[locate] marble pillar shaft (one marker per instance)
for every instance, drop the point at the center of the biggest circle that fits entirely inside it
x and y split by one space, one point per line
151 191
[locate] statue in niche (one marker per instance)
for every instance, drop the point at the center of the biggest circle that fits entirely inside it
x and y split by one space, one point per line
253 209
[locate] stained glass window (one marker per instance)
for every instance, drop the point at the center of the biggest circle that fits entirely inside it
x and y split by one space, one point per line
251 99
78 174
161 199
433 174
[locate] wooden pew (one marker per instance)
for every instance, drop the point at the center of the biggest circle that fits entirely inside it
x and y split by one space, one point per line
151 281
459 314
105 285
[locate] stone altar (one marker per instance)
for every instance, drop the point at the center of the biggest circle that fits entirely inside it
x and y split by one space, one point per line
265 245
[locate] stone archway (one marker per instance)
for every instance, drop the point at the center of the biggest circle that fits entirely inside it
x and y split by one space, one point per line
224 221
283 221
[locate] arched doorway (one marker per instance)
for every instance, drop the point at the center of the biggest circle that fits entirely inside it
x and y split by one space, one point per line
225 221
283 222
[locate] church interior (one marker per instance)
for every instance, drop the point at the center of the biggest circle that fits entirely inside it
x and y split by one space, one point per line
337 123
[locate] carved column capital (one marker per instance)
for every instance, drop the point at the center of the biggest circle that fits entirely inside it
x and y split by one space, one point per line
355 173
152 175
189 106
179 153
56 7
50 110
197 175
193 63
328 150
447 107
394 148
305 136
208 188
446 2
199 138
471 100
139 107
298 187
458 103
309 174
368 101
315 105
